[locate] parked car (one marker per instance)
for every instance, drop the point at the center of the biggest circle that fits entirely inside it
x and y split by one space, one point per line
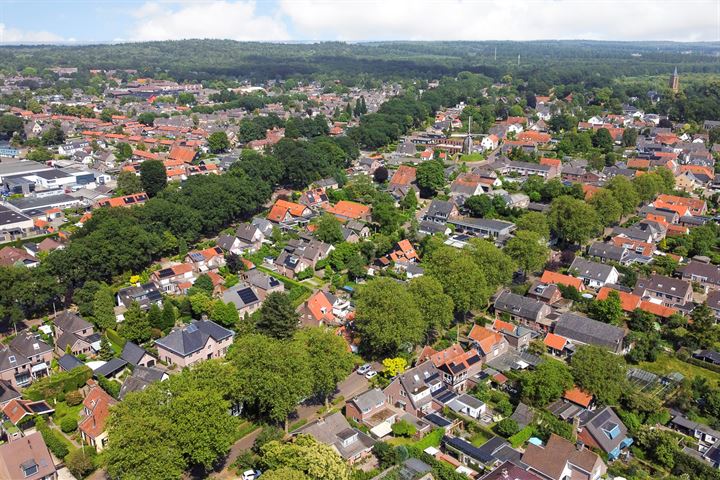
370 374
251 474
362 370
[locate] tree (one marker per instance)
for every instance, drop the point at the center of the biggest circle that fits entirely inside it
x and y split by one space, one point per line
642 321
68 424
480 206
435 306
135 327
394 366
329 359
104 308
599 372
703 329
624 192
203 284
128 183
218 142
278 318
146 118
10 125
629 137
535 222
528 249
495 264
381 175
40 154
106 352
387 317
507 427
234 263
80 462
403 428
123 151
185 98
386 454
648 186
462 279
603 140
154 317
328 229
273 374
53 135
546 383
225 314
267 434
409 202
608 310
153 176
430 177
573 220
168 316
609 210
306 455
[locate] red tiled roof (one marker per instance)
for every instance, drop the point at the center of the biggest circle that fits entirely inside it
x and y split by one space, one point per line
552 162
656 309
404 175
559 278
485 338
98 402
555 342
282 207
576 395
348 209
184 154
628 301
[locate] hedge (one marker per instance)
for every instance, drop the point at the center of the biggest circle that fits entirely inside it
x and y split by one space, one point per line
60 383
56 446
701 364
114 337
521 437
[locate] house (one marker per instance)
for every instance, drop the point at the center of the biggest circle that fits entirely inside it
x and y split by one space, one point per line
457 366
125 201
545 293
586 331
140 379
366 405
517 336
27 458
560 459
11 256
527 311
335 431
73 331
594 274
605 431
695 205
137 356
318 310
17 409
557 344
29 345
467 405
262 283
491 453
706 274
244 297
483 227
510 471
412 390
607 252
404 252
96 408
200 340
206 260
248 238
314 198
664 290
286 212
440 211
346 210
175 279
489 344
69 362
145 295
556 278
709 356
706 436
7 393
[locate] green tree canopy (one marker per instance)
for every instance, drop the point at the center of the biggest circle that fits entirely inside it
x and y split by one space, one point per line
153 176
528 249
306 455
431 176
607 207
328 229
546 383
599 372
278 317
462 279
218 142
435 306
573 220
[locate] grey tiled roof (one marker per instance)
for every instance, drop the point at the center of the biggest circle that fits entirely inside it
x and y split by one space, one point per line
591 270
589 331
518 305
68 321
193 337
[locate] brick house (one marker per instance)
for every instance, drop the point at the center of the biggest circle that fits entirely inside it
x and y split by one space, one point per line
198 341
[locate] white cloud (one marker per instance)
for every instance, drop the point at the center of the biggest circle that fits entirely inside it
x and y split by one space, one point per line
237 20
14 35
682 20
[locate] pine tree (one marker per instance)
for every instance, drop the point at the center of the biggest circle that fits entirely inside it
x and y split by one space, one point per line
135 327
168 316
106 352
104 308
155 317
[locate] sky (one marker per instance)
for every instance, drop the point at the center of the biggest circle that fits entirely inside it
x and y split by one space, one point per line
88 21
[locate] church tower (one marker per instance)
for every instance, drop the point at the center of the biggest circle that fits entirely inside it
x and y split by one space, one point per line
675 81
467 146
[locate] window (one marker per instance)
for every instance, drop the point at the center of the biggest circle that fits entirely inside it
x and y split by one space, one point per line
30 470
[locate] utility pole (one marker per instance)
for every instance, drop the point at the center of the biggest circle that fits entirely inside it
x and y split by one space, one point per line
496 54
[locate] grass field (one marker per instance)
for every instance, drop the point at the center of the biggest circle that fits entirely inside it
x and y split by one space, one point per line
667 364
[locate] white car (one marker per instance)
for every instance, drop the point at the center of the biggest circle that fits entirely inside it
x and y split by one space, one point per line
370 374
251 474
362 370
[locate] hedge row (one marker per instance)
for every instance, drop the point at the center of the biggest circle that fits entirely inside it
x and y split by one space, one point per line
701 364
60 383
115 338
522 436
56 446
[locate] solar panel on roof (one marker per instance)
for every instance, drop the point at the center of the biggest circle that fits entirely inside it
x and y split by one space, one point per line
129 200
247 296
197 257
165 272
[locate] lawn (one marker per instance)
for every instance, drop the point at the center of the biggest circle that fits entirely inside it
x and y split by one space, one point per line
666 364
480 437
62 410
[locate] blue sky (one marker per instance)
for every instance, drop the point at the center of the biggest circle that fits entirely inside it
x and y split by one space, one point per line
83 21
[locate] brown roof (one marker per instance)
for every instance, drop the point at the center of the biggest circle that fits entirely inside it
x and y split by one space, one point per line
404 175
11 255
99 403
551 459
25 452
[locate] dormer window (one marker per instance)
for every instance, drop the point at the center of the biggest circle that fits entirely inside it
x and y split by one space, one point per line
12 359
29 468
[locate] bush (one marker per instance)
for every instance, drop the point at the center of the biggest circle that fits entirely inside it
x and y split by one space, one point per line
387 456
268 434
521 437
56 446
507 427
110 386
73 398
60 383
81 463
403 429
68 424
114 337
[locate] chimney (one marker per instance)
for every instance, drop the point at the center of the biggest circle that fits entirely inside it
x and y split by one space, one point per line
505 473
